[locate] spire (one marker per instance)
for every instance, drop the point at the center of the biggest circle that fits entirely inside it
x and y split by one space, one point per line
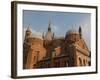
80 31
28 32
29 28
49 26
49 33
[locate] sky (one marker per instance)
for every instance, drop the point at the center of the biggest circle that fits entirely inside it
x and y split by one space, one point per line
61 22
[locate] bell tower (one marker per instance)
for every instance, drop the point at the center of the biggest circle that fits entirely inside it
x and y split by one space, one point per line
28 32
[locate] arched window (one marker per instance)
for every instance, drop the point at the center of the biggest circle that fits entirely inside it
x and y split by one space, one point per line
80 61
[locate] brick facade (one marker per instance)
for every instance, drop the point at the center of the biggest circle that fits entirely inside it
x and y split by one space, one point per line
48 52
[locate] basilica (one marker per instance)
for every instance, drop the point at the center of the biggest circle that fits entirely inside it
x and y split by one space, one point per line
51 52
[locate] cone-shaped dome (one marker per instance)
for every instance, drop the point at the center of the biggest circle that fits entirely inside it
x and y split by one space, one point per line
29 29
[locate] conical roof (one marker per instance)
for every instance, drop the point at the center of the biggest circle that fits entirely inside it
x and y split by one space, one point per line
49 34
49 26
29 29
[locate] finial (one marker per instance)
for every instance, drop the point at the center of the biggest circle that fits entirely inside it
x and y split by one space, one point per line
29 28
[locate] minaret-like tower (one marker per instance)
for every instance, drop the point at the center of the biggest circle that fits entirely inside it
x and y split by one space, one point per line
28 32
49 26
49 34
80 31
26 48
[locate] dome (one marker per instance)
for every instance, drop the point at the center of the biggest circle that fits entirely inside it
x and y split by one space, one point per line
73 31
49 36
72 35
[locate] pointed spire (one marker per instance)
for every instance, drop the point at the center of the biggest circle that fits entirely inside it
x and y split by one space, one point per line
49 26
28 32
49 33
29 28
80 31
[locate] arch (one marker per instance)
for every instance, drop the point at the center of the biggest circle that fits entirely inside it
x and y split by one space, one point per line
80 61
84 62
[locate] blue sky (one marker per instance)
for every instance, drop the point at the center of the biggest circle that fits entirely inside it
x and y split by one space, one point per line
61 22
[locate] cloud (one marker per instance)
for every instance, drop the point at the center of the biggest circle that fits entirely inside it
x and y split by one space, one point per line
54 28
